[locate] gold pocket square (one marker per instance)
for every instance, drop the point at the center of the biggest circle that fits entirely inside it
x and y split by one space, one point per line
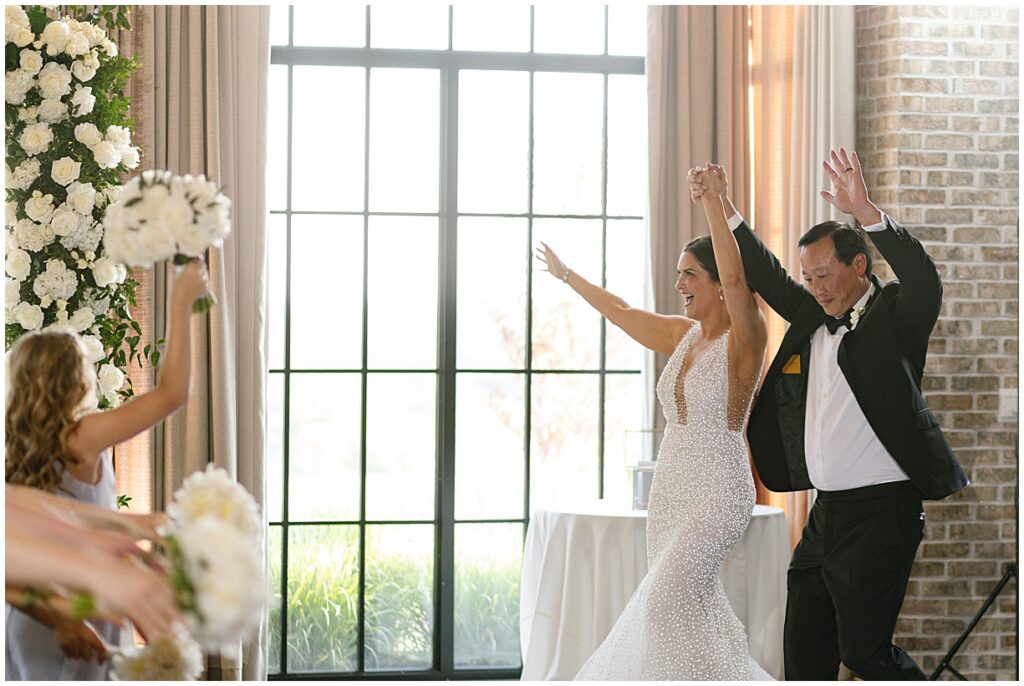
792 366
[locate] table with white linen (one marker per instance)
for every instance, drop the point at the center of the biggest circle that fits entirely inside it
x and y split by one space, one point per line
582 564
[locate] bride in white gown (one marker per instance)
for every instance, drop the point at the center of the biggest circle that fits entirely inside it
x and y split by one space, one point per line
679 625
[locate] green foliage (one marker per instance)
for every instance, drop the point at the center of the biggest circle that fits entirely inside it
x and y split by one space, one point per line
323 600
122 501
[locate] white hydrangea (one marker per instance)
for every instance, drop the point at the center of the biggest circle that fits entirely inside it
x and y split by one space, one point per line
106 155
56 282
25 174
31 236
83 101
35 138
82 197
52 111
31 61
54 79
39 207
29 316
65 170
18 264
12 295
86 237
11 213
87 134
14 18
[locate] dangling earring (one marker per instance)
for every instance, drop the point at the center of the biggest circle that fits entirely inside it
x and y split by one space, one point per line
721 295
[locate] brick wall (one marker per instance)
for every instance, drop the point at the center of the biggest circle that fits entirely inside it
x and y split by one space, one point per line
938 105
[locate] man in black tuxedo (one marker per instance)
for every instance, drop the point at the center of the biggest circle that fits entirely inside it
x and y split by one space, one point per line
841 411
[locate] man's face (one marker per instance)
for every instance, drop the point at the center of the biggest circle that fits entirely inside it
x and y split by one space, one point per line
836 286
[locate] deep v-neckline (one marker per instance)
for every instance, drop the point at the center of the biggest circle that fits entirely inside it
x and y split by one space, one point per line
684 371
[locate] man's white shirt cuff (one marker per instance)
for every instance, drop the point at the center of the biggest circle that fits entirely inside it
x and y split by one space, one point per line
880 226
734 221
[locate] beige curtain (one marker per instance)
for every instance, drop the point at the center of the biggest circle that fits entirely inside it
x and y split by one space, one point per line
697 86
804 103
200 106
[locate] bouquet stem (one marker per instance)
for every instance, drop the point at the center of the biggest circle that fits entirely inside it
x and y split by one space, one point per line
207 300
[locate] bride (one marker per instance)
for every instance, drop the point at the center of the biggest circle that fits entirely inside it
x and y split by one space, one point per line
679 625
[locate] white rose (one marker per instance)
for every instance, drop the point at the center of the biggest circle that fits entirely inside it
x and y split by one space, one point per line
64 221
106 155
119 136
82 71
82 319
87 134
11 214
36 138
23 36
83 100
29 316
82 197
28 114
65 170
92 60
31 61
12 293
104 272
78 44
155 242
130 157
55 36
110 47
52 111
39 207
111 379
14 18
17 83
54 79
93 347
18 264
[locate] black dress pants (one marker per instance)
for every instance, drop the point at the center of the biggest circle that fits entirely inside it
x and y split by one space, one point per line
847 581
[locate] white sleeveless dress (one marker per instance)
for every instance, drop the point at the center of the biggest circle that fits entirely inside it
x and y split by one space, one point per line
679 625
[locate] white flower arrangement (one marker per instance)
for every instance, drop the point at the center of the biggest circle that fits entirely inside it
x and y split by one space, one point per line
160 216
214 539
68 143
173 657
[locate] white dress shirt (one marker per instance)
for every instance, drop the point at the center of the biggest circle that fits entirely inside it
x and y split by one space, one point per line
841 449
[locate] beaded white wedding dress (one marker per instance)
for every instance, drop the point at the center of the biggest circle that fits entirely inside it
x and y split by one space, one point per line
679 625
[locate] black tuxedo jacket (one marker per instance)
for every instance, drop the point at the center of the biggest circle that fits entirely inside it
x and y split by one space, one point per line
882 359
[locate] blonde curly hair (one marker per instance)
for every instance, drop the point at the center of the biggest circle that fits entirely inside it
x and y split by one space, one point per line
47 382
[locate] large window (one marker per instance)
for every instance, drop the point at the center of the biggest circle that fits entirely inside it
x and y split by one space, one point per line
429 384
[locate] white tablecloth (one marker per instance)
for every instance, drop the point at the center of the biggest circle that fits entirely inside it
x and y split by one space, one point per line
581 566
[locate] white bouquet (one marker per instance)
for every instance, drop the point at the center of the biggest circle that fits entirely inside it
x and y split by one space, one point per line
214 542
169 657
160 216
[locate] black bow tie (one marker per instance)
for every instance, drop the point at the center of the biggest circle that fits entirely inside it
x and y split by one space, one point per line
833 323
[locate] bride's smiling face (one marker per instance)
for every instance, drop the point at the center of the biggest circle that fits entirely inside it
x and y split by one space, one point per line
698 290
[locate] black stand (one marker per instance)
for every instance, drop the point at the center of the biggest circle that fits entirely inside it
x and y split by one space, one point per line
1011 571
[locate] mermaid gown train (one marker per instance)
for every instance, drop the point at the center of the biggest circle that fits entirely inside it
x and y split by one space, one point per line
679 625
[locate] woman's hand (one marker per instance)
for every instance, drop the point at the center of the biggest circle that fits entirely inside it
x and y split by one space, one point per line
191 283
717 180
552 264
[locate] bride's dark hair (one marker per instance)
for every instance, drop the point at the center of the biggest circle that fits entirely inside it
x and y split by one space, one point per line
704 252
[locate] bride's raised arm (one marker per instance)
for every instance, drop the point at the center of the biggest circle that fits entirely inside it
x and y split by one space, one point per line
748 323
657 332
